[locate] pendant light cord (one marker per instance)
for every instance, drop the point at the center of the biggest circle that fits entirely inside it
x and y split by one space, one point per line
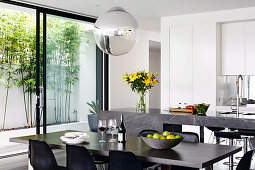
116 3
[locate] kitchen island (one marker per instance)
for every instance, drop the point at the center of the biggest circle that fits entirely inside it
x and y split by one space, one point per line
155 118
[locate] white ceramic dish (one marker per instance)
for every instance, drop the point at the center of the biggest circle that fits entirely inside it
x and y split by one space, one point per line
74 134
74 138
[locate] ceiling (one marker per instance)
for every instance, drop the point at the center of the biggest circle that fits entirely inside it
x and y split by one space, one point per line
147 12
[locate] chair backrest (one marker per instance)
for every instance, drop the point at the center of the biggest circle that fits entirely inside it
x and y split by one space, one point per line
229 135
123 160
147 131
79 158
215 128
190 137
245 162
41 156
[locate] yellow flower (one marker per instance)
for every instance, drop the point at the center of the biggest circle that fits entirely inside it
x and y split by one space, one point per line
149 76
124 77
148 82
133 77
155 81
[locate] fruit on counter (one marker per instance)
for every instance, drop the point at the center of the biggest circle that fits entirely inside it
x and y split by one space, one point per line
202 108
156 136
191 107
166 133
149 136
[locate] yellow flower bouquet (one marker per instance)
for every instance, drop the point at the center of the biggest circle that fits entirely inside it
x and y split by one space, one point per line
141 82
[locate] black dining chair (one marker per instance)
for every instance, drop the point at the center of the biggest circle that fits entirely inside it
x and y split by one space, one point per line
42 157
188 137
245 162
79 158
123 160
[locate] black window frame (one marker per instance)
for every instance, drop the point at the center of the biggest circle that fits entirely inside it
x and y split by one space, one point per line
102 60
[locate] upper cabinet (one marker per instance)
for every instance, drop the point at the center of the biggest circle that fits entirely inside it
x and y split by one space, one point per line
238 48
233 49
193 64
181 64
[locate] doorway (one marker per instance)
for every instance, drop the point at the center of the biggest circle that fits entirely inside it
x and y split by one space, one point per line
155 67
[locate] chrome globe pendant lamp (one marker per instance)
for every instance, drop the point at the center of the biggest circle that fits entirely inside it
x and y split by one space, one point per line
116 31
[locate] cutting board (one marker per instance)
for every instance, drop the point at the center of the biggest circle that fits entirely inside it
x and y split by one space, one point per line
182 110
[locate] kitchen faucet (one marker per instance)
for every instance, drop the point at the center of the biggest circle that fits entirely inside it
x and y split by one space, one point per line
240 77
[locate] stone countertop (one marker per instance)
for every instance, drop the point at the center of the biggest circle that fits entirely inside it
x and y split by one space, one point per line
154 118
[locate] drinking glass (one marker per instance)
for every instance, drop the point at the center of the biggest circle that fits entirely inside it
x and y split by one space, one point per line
112 125
102 128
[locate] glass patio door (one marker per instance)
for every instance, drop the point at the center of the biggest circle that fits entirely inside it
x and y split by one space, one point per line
70 70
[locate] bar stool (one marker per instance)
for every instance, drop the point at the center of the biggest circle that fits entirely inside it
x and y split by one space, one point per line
231 136
245 134
215 129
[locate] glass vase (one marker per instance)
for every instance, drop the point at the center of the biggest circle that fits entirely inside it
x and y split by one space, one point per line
141 105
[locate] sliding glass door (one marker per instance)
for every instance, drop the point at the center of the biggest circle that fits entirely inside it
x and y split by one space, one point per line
70 69
50 68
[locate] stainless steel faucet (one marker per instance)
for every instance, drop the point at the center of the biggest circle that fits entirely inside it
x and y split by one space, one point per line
240 77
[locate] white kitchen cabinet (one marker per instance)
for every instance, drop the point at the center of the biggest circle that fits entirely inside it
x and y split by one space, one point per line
181 65
250 47
233 49
193 64
204 64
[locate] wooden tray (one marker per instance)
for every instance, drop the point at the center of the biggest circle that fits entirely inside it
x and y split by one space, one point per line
182 110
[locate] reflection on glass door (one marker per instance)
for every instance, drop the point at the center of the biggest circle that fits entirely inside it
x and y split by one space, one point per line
70 69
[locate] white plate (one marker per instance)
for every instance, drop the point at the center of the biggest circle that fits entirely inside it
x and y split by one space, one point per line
75 134
77 140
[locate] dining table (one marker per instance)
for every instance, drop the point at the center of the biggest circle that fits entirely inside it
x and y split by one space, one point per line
193 155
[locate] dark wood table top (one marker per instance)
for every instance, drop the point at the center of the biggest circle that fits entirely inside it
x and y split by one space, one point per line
196 155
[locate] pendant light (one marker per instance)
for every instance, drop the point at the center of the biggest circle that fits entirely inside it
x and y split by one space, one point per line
116 31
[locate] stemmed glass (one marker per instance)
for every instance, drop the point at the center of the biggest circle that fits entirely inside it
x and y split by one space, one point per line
112 125
102 128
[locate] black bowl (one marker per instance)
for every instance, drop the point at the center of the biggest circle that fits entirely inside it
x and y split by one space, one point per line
162 143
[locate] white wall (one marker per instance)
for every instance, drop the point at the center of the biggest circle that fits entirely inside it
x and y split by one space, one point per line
15 115
212 20
154 66
120 94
